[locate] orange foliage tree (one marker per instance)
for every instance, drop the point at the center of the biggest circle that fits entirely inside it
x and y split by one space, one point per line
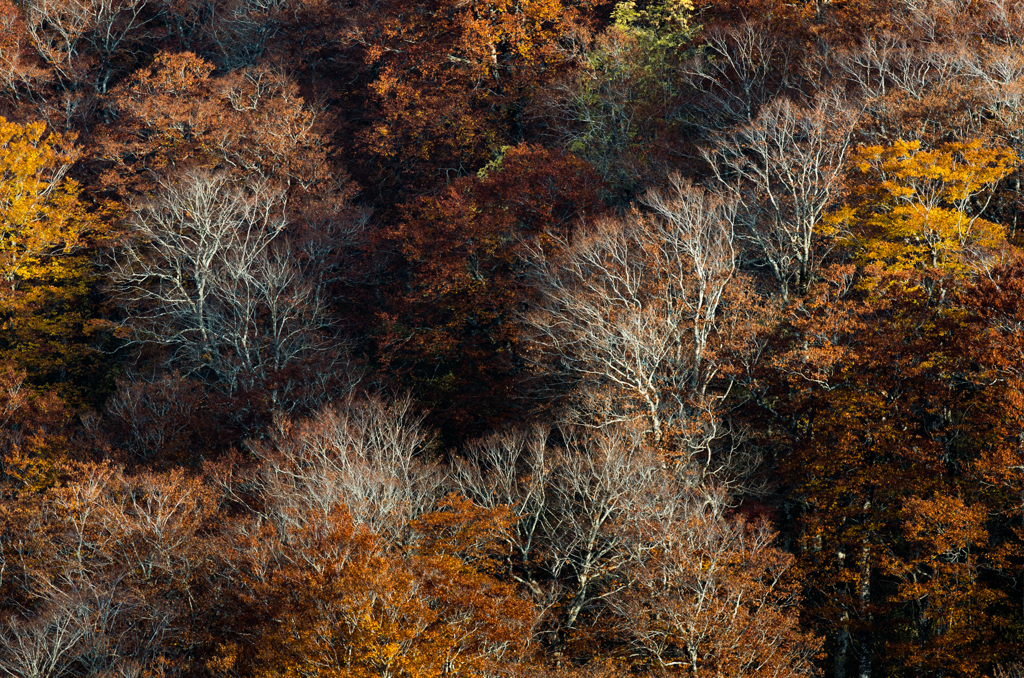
452 79
173 115
369 610
877 421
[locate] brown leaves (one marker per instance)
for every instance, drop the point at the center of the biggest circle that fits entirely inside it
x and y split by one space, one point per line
173 115
115 564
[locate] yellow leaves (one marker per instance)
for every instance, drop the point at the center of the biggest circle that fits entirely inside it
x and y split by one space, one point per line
223 659
44 270
927 212
28 472
835 224
41 218
663 25
955 172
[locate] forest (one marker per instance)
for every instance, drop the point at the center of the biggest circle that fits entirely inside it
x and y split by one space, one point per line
511 339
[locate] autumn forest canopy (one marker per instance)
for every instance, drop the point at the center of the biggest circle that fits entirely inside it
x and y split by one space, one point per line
511 339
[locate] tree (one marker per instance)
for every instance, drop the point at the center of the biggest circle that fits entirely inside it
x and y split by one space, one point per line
452 80
451 324
355 562
993 303
608 531
161 422
36 434
173 116
785 170
584 509
714 596
930 215
20 76
875 429
363 457
84 40
619 111
113 567
210 273
632 313
45 226
41 212
43 647
374 611
738 68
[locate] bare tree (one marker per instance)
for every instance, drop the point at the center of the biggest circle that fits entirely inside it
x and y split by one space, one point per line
152 418
360 455
1009 671
607 527
113 572
515 469
628 312
41 647
122 633
211 274
887 64
603 482
68 34
240 30
739 70
695 240
916 84
785 171
582 507
712 598
1006 19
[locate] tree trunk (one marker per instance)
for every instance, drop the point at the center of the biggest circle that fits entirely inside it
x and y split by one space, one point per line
842 647
867 640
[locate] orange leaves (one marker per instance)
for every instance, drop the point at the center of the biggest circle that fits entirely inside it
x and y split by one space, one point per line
170 75
420 614
945 525
252 122
943 577
168 107
460 528
452 78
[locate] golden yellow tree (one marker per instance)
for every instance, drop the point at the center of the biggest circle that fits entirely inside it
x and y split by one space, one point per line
41 216
927 205
44 272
